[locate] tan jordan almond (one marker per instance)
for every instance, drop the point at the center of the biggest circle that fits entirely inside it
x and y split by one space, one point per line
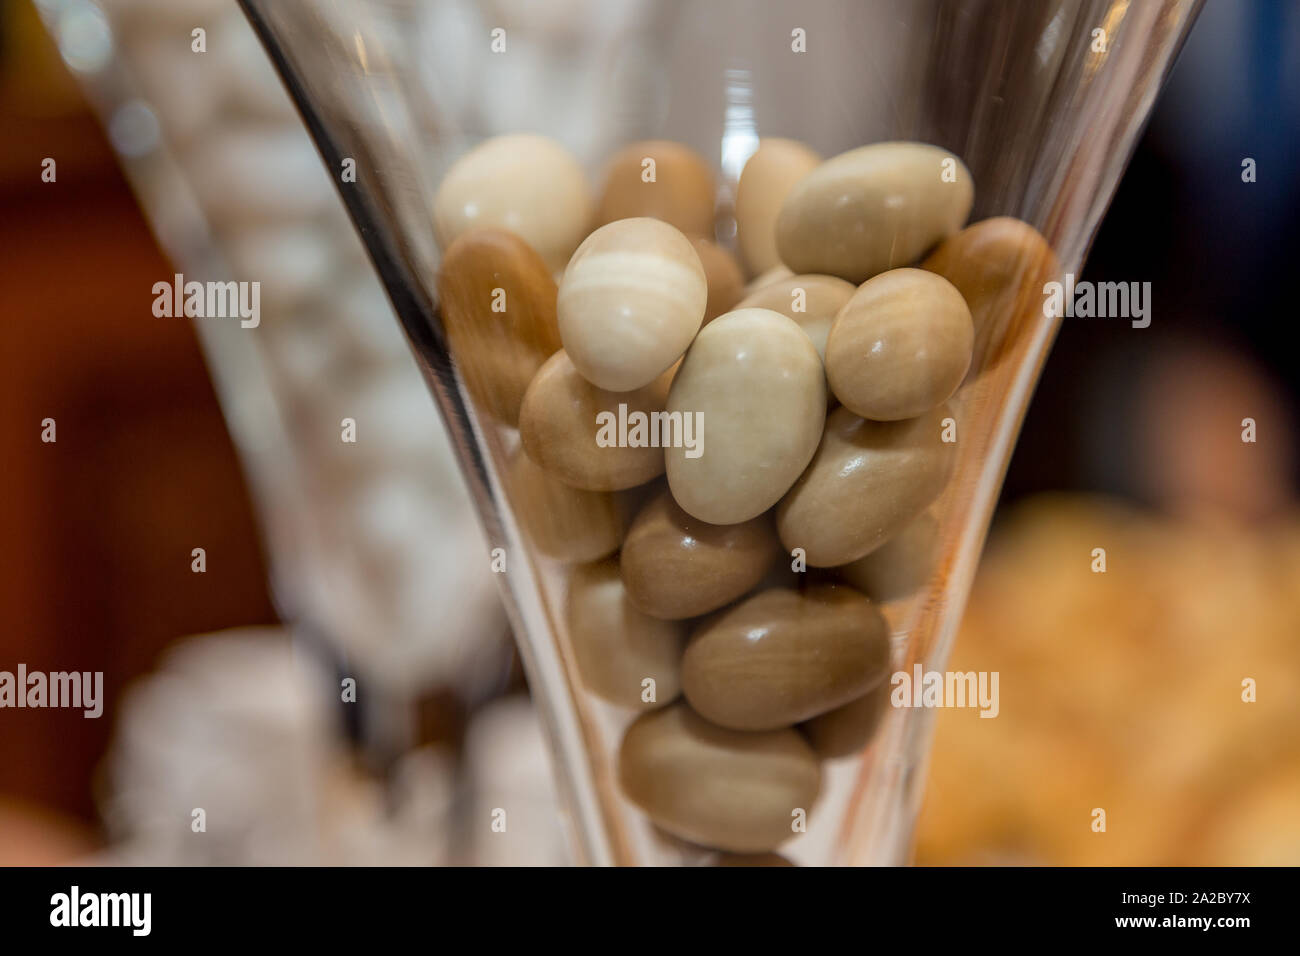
1000 267
716 787
676 566
571 428
769 175
900 346
497 301
631 301
726 281
662 180
625 657
527 184
754 384
901 565
562 522
762 281
873 208
867 481
846 730
811 301
783 656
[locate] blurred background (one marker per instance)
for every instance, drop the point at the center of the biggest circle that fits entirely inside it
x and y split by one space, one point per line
372 553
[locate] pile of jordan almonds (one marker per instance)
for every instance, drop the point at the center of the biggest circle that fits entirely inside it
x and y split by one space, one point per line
822 433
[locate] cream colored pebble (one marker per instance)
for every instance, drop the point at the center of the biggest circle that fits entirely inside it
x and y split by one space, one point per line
631 300
769 175
753 384
873 208
900 345
716 787
530 185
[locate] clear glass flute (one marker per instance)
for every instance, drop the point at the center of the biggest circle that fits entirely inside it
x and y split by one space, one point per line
1042 101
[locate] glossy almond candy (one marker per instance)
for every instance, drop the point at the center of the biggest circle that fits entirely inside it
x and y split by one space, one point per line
716 787
846 730
999 266
899 566
676 566
784 656
681 192
631 300
873 208
565 523
811 301
900 346
527 184
769 175
617 648
753 382
867 481
570 427
726 281
498 350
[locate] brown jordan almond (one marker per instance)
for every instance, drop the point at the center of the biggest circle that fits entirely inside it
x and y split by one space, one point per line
844 731
717 787
676 566
681 193
726 281
559 429
562 522
783 656
899 346
765 182
867 481
617 647
901 565
873 208
1000 267
498 350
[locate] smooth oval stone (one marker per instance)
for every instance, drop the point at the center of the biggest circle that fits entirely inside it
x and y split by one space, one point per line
1000 267
900 346
867 481
846 730
899 566
497 352
726 281
565 523
572 428
765 182
676 566
754 382
527 184
616 647
631 300
717 787
681 194
871 209
819 297
784 656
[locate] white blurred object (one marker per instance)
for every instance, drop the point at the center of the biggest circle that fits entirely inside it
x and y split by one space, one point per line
243 726
373 544
514 816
